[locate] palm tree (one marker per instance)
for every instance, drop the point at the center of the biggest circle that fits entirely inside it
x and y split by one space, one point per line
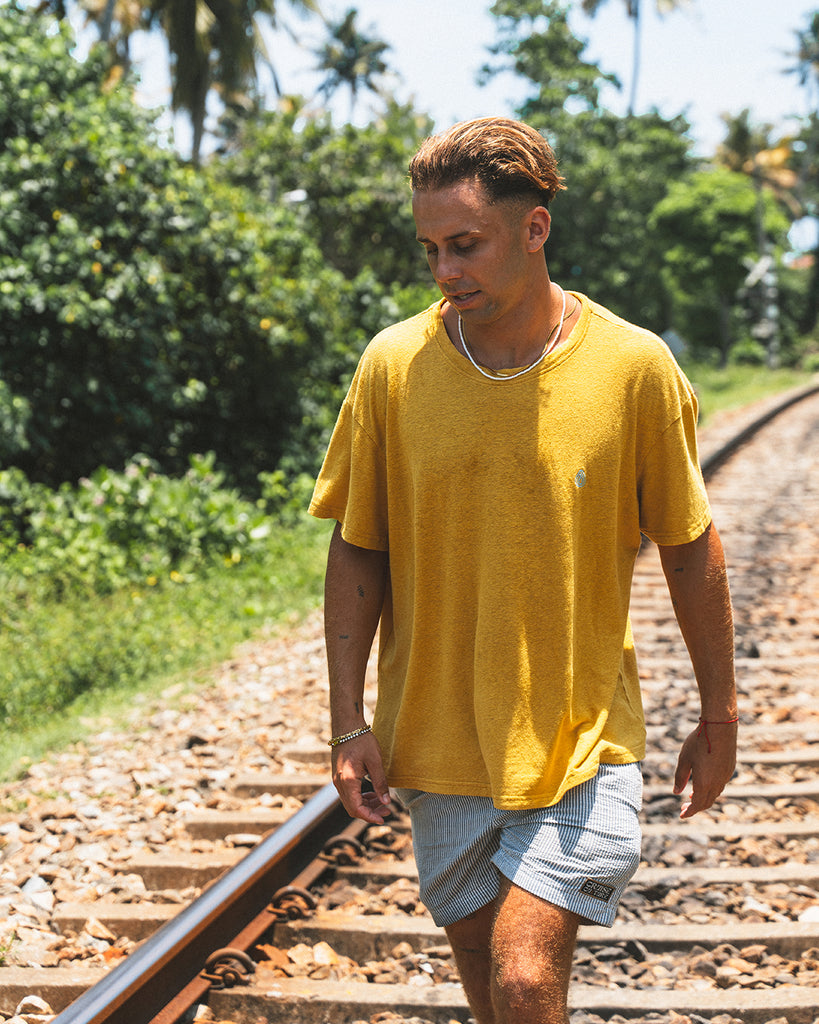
350 58
807 60
807 69
213 45
749 149
127 15
591 8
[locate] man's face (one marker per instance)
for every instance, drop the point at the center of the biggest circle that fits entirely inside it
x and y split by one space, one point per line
480 253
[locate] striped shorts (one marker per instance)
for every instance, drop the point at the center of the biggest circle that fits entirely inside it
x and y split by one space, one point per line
578 854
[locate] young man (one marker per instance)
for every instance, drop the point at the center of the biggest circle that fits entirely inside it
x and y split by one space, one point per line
491 472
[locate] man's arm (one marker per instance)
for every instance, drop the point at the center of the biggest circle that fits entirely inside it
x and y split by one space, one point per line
354 591
698 584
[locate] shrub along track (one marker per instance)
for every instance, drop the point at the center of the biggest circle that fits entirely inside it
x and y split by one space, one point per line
721 922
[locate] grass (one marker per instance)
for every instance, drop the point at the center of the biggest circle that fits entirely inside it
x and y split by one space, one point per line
5 948
737 386
68 669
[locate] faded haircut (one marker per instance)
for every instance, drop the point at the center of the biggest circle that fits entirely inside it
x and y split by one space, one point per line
509 158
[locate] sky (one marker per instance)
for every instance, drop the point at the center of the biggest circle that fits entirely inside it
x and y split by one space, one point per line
708 58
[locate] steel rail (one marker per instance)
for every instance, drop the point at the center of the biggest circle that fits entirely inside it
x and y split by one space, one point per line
712 462
291 900
143 984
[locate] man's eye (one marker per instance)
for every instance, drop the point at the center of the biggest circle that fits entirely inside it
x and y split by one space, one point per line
465 248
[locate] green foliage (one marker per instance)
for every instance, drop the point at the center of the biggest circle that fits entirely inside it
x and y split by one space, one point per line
286 498
73 277
792 285
146 306
617 170
15 413
82 656
120 528
537 43
348 184
736 385
6 945
748 353
709 230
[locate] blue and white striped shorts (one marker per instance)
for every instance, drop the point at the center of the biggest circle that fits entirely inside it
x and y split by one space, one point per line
578 854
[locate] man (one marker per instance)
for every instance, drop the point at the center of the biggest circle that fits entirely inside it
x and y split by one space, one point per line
491 472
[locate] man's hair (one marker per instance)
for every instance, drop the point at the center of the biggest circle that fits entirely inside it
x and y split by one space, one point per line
509 158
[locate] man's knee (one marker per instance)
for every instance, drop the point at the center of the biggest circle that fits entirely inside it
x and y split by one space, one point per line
524 978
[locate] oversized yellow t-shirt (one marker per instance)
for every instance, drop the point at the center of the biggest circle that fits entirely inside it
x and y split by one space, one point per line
512 512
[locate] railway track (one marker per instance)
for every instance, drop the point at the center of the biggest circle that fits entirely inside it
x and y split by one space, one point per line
721 921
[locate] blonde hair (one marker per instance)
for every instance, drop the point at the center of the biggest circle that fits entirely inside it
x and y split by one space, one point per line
509 158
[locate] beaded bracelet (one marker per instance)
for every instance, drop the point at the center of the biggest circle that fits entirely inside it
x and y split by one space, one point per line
704 728
336 740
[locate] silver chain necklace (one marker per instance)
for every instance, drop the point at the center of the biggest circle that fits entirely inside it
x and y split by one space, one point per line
551 341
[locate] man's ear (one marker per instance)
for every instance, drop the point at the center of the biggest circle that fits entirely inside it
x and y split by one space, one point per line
539 225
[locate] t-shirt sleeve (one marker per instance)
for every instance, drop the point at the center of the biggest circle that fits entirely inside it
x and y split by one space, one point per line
674 506
352 484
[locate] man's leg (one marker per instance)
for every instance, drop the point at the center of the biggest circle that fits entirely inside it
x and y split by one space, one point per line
514 957
471 941
532 949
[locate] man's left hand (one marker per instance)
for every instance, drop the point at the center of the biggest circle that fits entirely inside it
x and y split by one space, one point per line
707 760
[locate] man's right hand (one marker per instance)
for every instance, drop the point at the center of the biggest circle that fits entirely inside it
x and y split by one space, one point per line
354 761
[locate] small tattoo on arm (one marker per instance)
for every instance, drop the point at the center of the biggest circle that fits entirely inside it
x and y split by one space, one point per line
360 590
344 636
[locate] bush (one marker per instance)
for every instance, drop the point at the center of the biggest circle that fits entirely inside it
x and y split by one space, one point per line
748 353
80 652
348 183
15 414
120 528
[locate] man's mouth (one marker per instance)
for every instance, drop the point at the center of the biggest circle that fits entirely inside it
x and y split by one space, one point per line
461 298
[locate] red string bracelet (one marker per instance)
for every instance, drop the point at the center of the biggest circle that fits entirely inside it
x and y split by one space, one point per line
704 728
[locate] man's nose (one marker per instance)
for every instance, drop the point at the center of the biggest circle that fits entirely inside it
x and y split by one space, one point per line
448 268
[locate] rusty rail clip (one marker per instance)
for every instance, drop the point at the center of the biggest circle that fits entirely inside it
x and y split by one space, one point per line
227 968
291 901
343 850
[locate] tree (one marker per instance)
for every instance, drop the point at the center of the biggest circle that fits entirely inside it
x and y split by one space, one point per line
350 59
633 10
807 60
117 21
805 161
617 169
707 227
214 45
535 38
749 150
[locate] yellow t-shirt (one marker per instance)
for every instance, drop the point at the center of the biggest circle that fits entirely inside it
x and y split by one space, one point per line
512 512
